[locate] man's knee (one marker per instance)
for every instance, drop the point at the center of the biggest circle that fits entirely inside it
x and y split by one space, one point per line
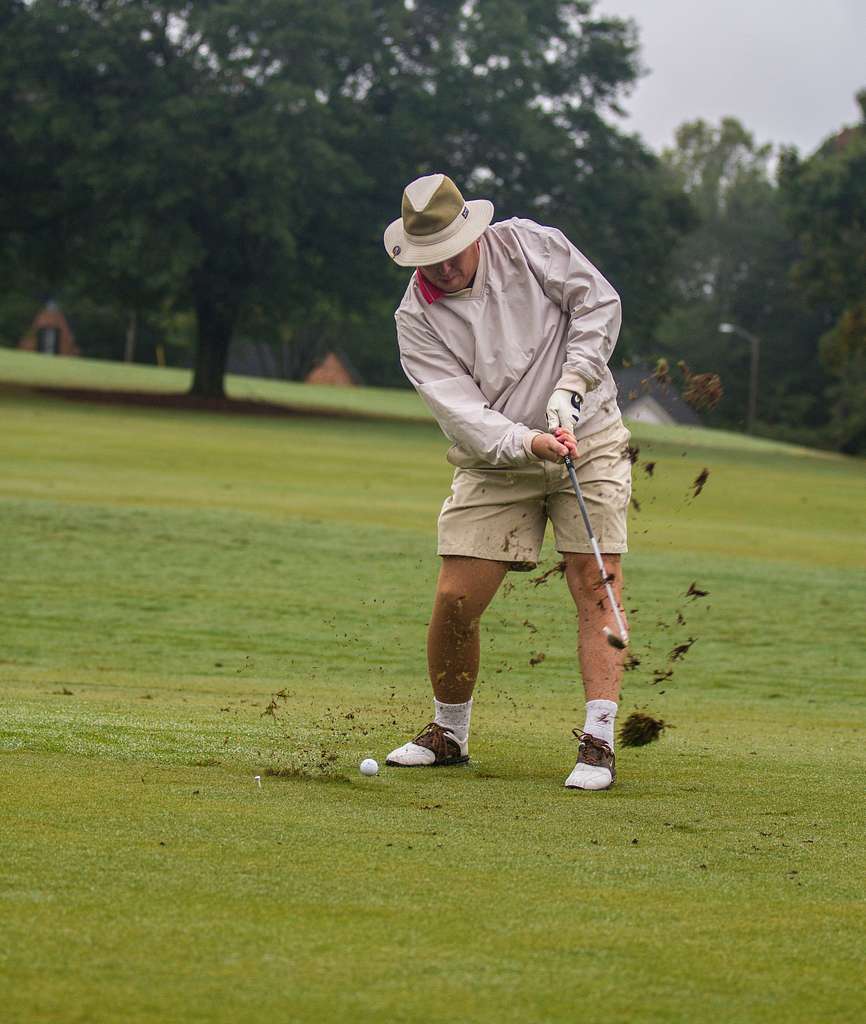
583 568
455 603
466 586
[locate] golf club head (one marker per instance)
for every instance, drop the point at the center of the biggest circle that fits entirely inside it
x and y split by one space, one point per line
614 639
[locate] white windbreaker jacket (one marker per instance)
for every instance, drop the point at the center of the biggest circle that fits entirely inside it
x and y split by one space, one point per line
539 316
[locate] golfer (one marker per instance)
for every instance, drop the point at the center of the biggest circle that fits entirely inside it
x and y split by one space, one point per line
505 331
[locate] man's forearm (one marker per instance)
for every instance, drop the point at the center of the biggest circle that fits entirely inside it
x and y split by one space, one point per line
592 336
466 418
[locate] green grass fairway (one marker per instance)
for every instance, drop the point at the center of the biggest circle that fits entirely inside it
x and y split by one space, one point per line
190 600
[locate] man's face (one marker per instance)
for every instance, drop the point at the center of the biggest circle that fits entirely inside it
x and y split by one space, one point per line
454 274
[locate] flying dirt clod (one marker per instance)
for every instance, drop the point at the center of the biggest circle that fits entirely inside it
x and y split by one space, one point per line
681 650
700 480
702 390
639 729
545 576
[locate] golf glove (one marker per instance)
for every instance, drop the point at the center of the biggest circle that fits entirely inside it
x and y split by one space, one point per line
563 409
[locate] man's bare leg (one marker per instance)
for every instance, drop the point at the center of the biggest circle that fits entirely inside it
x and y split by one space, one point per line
466 587
600 664
601 667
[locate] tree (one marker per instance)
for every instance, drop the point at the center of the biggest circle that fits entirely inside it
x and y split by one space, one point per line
513 99
735 266
826 203
241 157
178 137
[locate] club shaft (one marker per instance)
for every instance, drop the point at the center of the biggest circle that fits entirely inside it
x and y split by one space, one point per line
614 604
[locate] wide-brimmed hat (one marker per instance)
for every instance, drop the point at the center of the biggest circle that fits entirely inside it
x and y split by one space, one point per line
437 223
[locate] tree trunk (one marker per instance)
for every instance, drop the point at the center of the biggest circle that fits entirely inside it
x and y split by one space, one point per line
131 331
216 323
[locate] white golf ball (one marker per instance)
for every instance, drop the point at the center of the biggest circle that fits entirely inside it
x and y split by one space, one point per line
369 766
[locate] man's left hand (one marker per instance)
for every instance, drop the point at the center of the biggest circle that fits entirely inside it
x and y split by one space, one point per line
563 409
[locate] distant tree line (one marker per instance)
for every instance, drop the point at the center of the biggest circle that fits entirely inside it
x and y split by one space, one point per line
779 250
195 173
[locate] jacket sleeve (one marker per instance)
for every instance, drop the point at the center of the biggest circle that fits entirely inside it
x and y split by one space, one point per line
456 401
592 304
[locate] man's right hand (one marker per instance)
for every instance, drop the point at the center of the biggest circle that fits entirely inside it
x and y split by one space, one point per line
554 449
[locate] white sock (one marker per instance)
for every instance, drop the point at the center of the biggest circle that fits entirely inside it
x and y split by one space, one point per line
600 720
455 717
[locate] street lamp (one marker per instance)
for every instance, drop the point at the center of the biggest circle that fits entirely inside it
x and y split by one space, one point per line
755 343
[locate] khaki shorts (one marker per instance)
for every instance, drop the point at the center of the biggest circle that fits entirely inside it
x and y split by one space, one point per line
501 514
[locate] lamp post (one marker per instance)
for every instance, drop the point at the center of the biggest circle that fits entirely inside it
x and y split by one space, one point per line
755 343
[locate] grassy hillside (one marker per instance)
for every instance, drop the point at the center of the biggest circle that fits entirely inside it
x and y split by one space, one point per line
191 600
32 368
24 369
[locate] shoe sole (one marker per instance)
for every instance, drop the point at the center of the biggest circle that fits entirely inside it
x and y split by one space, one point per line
449 763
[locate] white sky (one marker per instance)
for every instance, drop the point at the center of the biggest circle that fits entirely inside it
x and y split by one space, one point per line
788 69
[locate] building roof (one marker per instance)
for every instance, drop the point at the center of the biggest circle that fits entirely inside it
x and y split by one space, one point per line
638 381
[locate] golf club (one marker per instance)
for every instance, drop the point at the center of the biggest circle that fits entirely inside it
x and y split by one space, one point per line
620 639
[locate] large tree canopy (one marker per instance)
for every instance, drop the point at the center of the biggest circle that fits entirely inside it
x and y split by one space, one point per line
240 158
181 151
826 198
735 267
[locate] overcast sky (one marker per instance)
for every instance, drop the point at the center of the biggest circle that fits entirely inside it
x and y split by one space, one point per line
788 69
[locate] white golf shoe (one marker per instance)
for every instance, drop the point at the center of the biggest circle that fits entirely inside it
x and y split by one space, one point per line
433 747
596 764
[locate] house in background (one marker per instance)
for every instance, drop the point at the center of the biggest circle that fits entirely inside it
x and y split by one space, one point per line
287 362
50 333
336 370
642 398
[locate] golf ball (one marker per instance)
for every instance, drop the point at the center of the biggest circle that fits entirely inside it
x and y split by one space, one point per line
369 766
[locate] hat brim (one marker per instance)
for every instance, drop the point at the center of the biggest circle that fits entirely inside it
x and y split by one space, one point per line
413 251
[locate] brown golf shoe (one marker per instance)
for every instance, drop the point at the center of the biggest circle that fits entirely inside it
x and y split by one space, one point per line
596 764
433 747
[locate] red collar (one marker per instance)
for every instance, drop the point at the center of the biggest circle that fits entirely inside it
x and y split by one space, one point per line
429 290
